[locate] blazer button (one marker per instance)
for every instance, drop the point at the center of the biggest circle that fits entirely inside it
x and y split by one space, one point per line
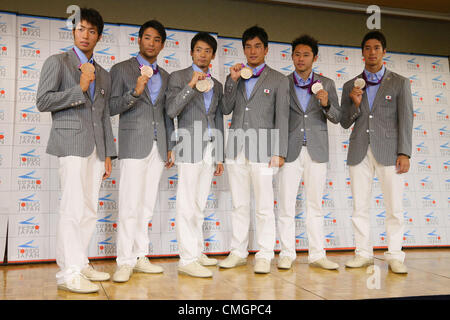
306 116
371 116
367 130
302 130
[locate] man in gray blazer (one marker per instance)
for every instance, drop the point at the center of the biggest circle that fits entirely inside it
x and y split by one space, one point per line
194 99
144 130
307 153
257 145
382 113
76 90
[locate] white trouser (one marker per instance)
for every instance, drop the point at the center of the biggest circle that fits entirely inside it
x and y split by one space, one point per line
241 173
80 180
139 185
392 186
194 183
314 176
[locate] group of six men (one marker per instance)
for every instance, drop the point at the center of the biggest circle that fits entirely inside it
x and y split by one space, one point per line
287 114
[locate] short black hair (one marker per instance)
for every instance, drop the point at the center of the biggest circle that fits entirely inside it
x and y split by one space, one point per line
374 35
155 25
93 17
254 32
307 41
205 37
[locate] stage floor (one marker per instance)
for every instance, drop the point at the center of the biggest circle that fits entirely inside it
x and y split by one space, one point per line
429 274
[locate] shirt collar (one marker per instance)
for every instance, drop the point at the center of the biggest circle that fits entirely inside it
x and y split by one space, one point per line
258 68
300 79
196 68
82 56
375 76
144 62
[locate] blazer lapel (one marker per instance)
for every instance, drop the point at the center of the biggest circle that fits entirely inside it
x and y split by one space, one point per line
136 71
294 93
380 93
164 77
258 83
98 83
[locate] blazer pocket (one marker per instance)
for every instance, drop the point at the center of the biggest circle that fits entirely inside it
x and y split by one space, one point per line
67 124
128 125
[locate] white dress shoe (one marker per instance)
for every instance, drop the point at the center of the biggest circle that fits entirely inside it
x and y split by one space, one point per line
79 284
397 266
232 261
359 262
204 260
284 263
262 266
145 266
123 273
94 275
324 263
194 269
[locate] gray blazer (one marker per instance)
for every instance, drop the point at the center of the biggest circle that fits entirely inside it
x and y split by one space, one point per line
387 127
188 106
138 116
78 124
265 110
313 122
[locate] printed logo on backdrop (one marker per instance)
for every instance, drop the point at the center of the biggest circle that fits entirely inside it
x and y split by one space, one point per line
105 58
29 204
212 244
428 201
329 220
3 48
150 225
380 218
327 201
332 240
226 71
172 202
317 70
173 246
287 69
417 98
422 148
133 38
349 201
436 66
413 65
106 247
341 57
441 115
229 50
29 159
344 145
65 34
2 138
2 71
389 62
409 221
29 72
382 238
65 49
3 26
433 238
409 238
212 202
172 42
285 55
420 132
301 240
109 184
430 219
415 81
424 166
29 181
172 182
426 184
29 137
444 149
447 185
446 166
300 220
30 50
106 225
438 83
28 93
379 202
105 203
30 115
28 227
440 99
30 29
171 61
171 224
300 202
108 37
211 223
419 115
28 250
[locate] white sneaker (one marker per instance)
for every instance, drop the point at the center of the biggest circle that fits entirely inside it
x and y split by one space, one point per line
123 273
79 284
397 266
324 263
94 275
285 263
194 269
359 262
204 260
144 265
262 266
232 261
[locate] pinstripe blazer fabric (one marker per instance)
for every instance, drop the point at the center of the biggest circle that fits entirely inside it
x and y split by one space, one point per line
313 121
78 123
187 104
387 127
138 116
266 109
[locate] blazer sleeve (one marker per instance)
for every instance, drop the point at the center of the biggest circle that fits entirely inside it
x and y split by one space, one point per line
170 128
49 98
230 92
220 126
349 111
282 116
178 95
405 119
334 111
120 100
